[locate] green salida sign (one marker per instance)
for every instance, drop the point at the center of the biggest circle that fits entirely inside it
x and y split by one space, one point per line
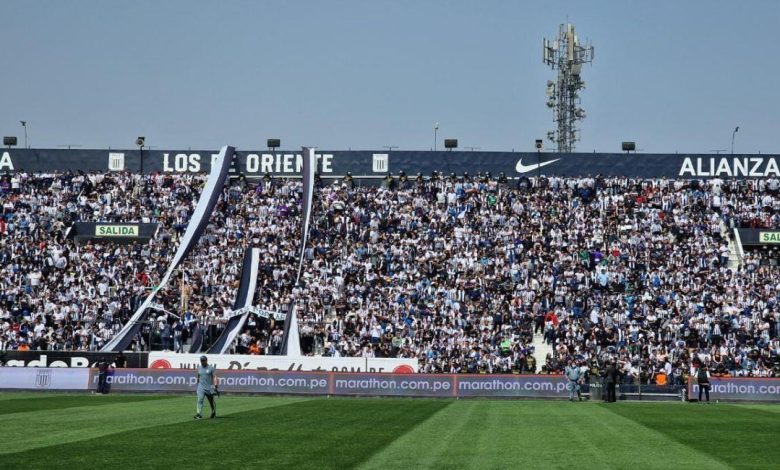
116 230
769 237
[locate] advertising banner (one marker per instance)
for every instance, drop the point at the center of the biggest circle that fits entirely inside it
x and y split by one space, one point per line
347 384
341 383
412 385
43 378
171 360
501 386
68 359
376 164
738 389
230 381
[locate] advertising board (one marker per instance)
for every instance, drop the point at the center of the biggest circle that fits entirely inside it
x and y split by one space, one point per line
43 378
321 383
171 360
376 164
67 358
739 389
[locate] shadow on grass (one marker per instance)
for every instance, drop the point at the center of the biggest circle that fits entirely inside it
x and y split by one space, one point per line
740 437
324 433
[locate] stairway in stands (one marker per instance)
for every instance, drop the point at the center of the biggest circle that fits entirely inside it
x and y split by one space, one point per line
735 260
541 350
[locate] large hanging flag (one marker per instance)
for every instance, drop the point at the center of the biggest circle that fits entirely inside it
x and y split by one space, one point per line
244 298
291 343
308 170
197 337
196 226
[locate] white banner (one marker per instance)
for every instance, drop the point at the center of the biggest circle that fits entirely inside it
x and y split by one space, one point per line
170 360
44 378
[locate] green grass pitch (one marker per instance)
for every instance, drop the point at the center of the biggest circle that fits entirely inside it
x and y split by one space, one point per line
40 430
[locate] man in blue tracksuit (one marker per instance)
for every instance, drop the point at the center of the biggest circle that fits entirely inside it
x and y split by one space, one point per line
207 387
573 373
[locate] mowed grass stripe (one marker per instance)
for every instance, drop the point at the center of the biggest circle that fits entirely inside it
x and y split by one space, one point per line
323 433
743 437
41 403
435 442
535 434
17 395
40 429
760 407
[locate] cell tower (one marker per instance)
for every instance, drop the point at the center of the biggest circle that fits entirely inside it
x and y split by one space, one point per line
566 54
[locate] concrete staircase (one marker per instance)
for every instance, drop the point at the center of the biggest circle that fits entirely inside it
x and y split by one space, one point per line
735 260
541 350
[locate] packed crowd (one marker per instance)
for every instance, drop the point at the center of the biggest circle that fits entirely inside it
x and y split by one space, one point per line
459 272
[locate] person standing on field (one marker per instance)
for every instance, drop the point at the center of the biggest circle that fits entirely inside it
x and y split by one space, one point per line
703 379
102 367
207 387
574 373
610 380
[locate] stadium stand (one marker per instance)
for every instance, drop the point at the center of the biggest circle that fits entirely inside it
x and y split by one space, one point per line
460 272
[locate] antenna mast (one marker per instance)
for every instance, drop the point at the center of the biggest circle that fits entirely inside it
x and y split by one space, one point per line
566 54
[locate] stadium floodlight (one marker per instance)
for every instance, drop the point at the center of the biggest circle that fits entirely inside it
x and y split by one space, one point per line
539 146
140 142
435 134
24 124
736 129
9 141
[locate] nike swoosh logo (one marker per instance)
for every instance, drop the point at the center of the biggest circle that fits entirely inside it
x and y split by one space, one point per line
520 168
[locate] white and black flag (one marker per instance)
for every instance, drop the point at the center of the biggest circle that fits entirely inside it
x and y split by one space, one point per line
244 299
196 226
291 344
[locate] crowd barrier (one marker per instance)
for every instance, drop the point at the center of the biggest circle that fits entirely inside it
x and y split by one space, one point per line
341 383
291 382
347 383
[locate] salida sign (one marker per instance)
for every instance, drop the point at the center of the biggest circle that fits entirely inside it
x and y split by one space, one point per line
769 237
116 230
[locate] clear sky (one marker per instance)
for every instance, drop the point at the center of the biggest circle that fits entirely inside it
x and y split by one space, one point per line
672 75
